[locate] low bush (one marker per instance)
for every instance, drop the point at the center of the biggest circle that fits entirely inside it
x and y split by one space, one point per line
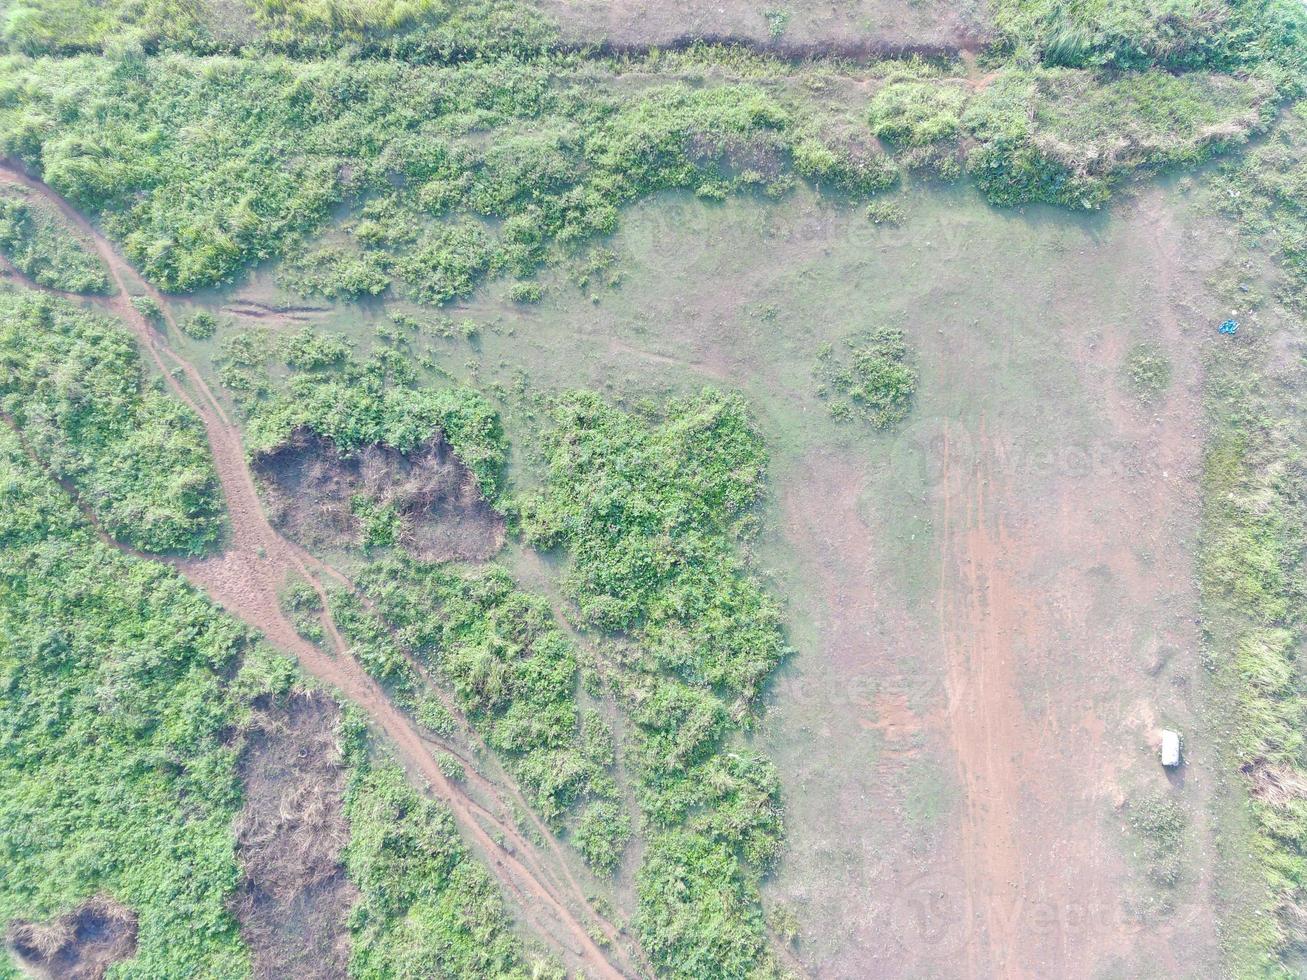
876 380
73 384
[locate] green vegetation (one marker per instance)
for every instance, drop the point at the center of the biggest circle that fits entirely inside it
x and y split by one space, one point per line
1254 588
651 513
378 402
43 246
303 606
1147 369
73 385
200 325
1068 137
917 113
877 381
122 686
1264 35
513 674
426 907
202 166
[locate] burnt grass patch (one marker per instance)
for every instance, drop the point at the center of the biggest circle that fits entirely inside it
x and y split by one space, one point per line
323 497
79 945
294 900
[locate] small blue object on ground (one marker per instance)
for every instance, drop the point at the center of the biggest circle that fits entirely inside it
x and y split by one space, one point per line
1229 326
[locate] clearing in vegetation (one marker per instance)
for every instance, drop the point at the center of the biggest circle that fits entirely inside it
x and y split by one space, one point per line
424 501
294 899
732 689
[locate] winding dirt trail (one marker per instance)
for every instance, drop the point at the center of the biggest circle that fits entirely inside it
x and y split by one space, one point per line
245 579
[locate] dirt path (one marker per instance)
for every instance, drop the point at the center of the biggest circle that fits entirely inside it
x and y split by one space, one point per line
245 580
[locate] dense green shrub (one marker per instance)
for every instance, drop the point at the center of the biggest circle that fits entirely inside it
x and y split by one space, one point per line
200 325
876 379
650 516
426 907
336 273
122 688
73 384
700 914
917 113
37 240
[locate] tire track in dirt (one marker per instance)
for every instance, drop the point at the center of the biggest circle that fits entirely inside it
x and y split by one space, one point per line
978 607
245 579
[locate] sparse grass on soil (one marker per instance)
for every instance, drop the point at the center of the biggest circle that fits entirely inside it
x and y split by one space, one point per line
294 898
1147 369
1254 593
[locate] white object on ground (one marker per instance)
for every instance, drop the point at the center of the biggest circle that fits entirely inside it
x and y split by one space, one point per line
1170 748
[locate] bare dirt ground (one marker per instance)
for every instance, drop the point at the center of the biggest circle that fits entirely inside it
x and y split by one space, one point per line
245 579
79 945
1061 574
294 899
993 605
309 486
799 29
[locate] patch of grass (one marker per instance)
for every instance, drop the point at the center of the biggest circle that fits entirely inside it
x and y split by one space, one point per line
1161 825
777 21
73 384
303 606
1067 137
876 380
42 245
1147 369
1139 34
1254 591
651 512
426 907
916 113
200 325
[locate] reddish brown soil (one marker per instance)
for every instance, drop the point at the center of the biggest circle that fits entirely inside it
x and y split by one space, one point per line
309 485
294 898
80 945
1054 583
245 579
